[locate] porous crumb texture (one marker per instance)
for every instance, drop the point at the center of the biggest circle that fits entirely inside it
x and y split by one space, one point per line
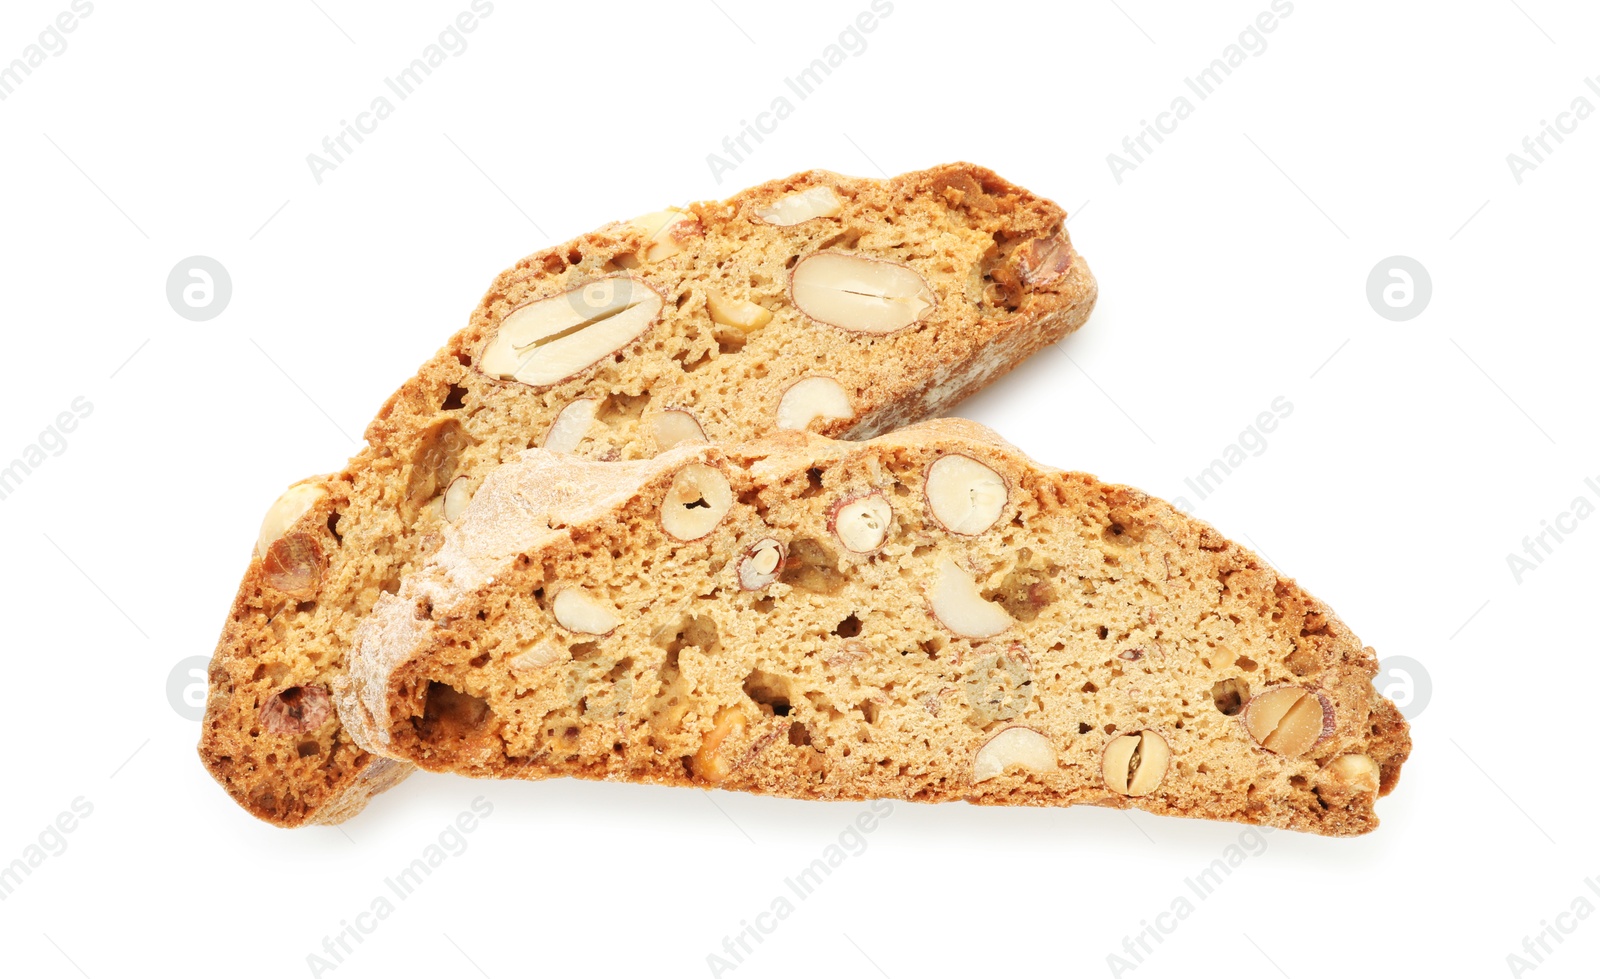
927 616
689 325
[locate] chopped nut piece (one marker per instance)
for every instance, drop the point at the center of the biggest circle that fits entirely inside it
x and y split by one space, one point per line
709 763
285 512
675 426
1351 773
578 611
742 313
1015 747
571 426
958 604
813 202
457 496
663 232
810 399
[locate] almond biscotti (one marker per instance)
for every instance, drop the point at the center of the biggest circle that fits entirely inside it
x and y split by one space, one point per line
833 304
927 616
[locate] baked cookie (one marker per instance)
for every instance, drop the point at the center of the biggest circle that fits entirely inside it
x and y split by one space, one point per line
840 305
927 616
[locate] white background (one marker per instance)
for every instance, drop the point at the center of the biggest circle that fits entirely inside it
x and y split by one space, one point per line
1233 267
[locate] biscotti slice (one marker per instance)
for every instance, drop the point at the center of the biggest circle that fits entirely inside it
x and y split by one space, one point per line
927 616
840 305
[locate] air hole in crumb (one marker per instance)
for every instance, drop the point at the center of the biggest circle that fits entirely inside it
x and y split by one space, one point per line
455 399
1089 687
1230 695
306 749
1104 632
799 734
333 526
1085 728
769 690
1110 729
479 662
869 709
849 628
1245 663
813 483
450 715
584 650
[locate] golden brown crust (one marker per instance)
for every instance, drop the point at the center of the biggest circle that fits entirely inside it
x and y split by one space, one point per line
964 229
852 677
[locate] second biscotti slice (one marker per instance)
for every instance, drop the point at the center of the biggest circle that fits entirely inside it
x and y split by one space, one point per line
928 616
841 305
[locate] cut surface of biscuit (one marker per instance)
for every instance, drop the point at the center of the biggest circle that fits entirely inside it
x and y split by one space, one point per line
927 616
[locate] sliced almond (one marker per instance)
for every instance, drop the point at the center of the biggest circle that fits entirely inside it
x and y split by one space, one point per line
1015 747
958 604
862 295
285 512
730 311
1352 773
549 340
662 231
965 495
579 611
813 202
696 502
457 496
567 432
674 427
812 399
